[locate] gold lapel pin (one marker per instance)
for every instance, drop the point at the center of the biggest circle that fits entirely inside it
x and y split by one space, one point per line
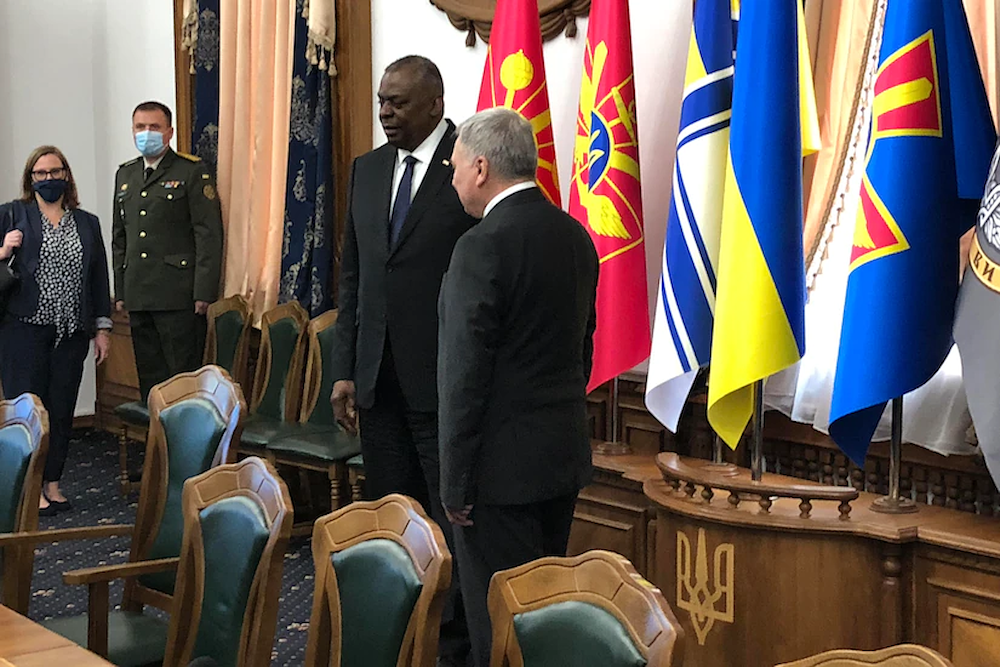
446 162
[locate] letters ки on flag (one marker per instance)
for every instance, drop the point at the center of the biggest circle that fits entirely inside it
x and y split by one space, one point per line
682 325
760 304
929 149
605 195
514 77
977 321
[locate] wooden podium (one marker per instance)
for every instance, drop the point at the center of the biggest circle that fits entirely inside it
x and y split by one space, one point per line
757 580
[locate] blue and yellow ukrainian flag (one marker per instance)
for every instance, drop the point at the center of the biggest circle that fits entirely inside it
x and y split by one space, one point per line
682 326
929 153
760 306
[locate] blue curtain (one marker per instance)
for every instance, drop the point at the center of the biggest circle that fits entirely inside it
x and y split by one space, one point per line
307 249
205 128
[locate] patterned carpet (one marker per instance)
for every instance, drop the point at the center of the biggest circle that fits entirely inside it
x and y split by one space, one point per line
90 484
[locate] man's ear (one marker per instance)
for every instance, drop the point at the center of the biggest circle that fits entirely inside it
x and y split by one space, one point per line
483 170
437 108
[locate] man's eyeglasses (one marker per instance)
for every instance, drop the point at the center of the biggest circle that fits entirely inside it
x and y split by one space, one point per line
42 175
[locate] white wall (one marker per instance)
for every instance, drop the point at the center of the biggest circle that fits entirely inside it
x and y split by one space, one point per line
660 34
71 71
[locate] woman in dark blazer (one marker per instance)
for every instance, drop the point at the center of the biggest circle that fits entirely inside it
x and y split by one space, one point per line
61 302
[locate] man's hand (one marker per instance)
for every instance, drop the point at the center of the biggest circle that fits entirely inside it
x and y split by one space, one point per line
11 240
120 306
102 345
200 307
459 517
342 400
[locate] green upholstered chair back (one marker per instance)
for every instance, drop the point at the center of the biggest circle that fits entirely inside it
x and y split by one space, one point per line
378 588
24 442
228 339
229 328
382 572
237 521
316 408
574 634
194 419
277 384
592 609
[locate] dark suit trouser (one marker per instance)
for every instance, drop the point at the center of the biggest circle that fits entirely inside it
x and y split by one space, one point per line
502 537
166 342
30 361
400 448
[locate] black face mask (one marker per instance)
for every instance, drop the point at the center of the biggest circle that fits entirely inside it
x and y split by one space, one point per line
50 190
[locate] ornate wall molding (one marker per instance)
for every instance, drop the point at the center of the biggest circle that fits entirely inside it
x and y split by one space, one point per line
475 17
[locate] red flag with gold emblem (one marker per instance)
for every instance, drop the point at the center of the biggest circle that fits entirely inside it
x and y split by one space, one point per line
605 195
514 77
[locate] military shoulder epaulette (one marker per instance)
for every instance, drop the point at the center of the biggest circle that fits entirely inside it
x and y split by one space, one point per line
130 162
188 156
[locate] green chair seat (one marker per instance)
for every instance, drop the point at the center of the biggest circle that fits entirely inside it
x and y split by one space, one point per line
134 412
356 462
330 444
260 431
134 639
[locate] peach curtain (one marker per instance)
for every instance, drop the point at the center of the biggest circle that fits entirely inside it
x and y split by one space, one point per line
982 15
255 68
839 35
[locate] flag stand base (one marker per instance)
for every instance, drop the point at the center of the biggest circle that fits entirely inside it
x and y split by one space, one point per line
613 449
887 505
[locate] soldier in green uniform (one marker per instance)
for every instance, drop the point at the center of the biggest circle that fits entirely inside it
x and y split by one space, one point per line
167 249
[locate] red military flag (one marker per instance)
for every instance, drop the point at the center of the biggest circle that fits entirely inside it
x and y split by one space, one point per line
605 195
514 77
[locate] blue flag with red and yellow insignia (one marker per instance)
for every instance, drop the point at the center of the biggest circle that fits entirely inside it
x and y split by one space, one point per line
929 149
760 303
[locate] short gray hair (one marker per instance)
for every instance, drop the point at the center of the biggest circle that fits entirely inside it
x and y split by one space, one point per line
505 139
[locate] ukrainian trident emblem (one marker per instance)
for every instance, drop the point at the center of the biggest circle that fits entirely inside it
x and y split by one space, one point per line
701 597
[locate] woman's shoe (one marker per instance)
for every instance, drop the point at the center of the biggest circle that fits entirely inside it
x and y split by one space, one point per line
60 506
50 510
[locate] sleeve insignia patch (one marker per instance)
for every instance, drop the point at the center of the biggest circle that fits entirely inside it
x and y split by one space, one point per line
209 191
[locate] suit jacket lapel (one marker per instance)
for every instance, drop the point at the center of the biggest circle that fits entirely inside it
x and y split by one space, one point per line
437 176
383 197
34 215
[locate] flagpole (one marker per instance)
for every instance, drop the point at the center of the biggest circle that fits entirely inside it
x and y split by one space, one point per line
613 447
757 447
893 503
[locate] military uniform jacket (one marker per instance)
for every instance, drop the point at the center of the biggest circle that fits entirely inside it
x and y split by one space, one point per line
166 238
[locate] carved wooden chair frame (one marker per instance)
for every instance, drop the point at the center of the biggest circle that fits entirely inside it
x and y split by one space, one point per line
233 303
402 520
18 560
601 578
902 655
293 378
251 478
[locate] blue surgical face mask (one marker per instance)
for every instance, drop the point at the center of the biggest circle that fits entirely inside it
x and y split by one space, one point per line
149 142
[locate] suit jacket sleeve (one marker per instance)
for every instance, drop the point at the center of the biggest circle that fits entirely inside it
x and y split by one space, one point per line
100 291
347 303
206 221
118 242
470 313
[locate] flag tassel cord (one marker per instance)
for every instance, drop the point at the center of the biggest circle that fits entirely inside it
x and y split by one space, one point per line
893 503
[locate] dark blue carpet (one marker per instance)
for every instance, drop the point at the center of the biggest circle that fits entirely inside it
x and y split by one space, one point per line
90 484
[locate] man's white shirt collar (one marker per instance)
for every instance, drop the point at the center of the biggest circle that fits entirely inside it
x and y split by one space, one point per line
425 151
520 187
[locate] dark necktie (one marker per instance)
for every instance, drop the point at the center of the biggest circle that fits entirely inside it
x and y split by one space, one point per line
147 173
402 205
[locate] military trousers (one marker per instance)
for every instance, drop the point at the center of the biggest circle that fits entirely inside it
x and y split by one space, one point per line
166 342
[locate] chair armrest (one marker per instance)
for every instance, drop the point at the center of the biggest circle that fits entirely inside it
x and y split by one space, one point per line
61 534
104 573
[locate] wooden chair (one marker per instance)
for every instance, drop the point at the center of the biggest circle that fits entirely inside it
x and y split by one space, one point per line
237 521
277 385
902 655
195 419
24 443
133 414
318 442
382 574
227 342
592 609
